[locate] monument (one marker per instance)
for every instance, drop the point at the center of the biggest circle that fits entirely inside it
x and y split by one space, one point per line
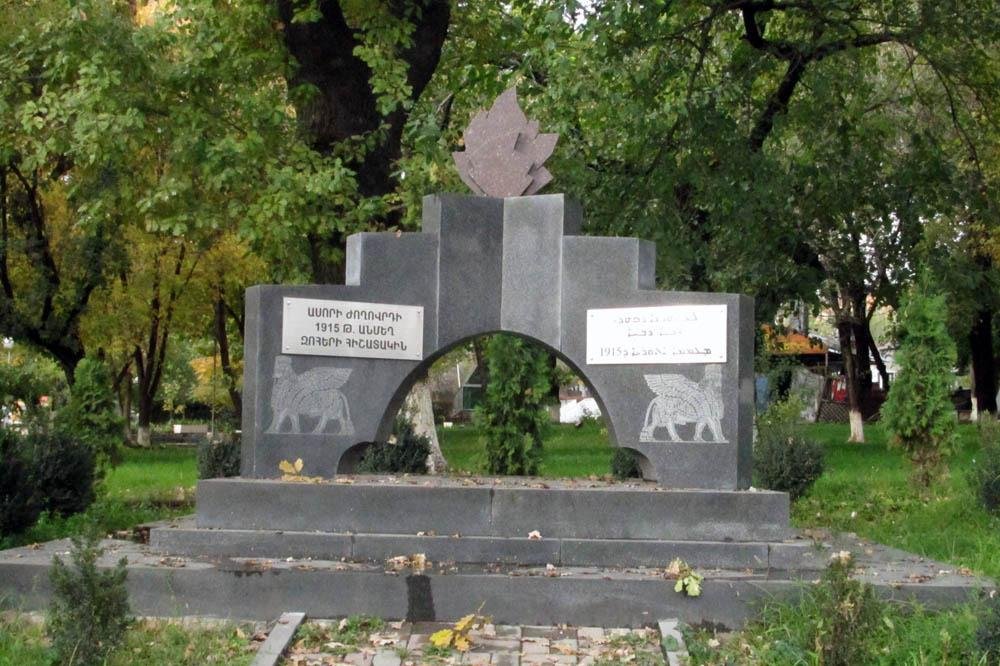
328 366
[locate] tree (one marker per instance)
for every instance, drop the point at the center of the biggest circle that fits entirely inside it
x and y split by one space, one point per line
360 67
918 412
92 415
512 415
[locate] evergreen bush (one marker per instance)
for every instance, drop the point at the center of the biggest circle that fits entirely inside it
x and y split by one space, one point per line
784 458
625 464
511 416
62 471
89 612
18 506
984 477
405 453
92 416
988 633
918 412
219 457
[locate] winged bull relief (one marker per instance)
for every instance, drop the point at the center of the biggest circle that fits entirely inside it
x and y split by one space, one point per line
313 394
680 401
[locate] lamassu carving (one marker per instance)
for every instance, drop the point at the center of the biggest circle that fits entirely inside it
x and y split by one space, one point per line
314 393
681 401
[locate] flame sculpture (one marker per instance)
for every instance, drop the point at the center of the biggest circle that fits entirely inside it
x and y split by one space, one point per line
504 153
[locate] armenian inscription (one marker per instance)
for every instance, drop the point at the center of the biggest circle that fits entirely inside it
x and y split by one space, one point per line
348 328
665 334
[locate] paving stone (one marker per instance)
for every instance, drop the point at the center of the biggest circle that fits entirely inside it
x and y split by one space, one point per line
507 631
417 641
474 658
497 644
506 659
565 646
591 633
534 645
551 633
386 658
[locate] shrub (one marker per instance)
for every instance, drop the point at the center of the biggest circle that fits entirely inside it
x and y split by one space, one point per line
219 457
839 620
918 412
62 471
405 453
511 416
625 464
89 612
988 634
91 416
784 458
18 507
984 477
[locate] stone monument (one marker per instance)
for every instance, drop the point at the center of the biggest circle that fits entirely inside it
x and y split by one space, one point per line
327 366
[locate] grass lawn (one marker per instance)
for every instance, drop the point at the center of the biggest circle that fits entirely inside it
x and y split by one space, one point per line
567 451
149 484
147 643
871 483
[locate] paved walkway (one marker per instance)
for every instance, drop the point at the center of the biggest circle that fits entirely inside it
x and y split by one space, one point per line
402 644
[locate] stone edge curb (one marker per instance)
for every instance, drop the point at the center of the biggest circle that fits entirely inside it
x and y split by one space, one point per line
676 653
278 639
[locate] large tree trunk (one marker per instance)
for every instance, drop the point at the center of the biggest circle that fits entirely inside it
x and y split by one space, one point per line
142 431
420 411
879 362
222 338
984 378
845 330
346 107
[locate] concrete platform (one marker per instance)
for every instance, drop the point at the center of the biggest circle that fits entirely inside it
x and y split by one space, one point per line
183 537
260 588
494 507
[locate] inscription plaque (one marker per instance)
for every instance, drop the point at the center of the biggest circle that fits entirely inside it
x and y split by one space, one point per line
349 328
665 334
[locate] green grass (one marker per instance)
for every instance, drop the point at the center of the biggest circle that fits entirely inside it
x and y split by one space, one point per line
908 636
567 451
871 482
149 484
147 643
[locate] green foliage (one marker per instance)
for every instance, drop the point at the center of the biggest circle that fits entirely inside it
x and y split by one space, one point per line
625 464
785 458
511 416
918 411
91 416
89 612
405 453
988 633
838 622
62 471
25 380
984 476
18 506
219 457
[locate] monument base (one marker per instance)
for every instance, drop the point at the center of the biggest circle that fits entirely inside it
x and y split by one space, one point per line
242 588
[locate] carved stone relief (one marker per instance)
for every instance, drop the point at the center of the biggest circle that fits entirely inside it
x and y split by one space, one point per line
314 394
680 401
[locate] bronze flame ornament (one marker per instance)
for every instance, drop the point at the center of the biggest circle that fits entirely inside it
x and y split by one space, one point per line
504 153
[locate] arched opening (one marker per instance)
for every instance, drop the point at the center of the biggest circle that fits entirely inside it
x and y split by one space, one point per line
447 398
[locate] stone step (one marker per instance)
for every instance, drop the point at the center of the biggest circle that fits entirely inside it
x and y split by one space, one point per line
494 507
186 539
260 589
